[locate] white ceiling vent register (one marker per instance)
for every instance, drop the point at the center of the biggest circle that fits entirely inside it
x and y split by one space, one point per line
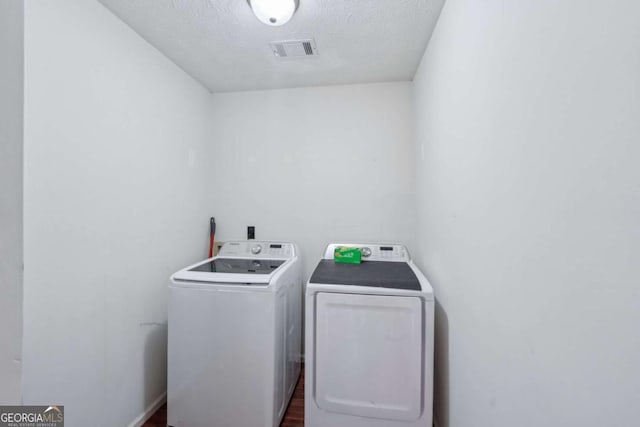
294 48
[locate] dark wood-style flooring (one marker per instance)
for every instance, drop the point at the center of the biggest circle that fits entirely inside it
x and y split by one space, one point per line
294 417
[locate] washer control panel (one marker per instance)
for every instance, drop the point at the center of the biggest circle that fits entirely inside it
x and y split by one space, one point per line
257 249
373 252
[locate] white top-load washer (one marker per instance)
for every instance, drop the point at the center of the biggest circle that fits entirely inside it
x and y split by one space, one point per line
369 341
235 336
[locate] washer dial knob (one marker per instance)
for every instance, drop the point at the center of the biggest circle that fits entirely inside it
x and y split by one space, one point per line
366 252
256 249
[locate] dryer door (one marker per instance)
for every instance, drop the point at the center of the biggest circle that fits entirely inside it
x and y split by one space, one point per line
369 353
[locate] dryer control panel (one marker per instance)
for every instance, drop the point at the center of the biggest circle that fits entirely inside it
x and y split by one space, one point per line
257 249
373 251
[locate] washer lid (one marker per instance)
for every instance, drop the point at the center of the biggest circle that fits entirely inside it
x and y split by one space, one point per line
239 266
378 274
232 271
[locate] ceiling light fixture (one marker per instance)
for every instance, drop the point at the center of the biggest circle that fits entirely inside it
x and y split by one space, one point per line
274 12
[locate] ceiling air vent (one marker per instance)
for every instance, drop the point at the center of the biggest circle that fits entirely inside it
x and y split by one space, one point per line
294 48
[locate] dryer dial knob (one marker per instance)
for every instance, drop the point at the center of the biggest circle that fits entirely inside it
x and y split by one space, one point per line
256 249
366 252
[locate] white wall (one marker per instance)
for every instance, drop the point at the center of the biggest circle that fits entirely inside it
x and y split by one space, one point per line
314 165
528 182
114 203
11 103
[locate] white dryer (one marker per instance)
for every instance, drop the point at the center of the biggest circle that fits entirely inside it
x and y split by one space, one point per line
235 337
369 341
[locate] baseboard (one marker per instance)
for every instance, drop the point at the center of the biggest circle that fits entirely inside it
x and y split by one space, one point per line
149 411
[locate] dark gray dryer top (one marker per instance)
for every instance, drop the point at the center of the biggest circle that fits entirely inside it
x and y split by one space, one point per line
377 274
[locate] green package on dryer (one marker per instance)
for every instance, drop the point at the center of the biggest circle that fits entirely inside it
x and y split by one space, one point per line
347 255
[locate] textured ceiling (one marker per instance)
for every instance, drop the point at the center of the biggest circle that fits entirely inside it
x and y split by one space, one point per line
222 45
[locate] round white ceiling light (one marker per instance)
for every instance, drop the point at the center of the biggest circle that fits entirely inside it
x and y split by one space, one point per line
274 12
